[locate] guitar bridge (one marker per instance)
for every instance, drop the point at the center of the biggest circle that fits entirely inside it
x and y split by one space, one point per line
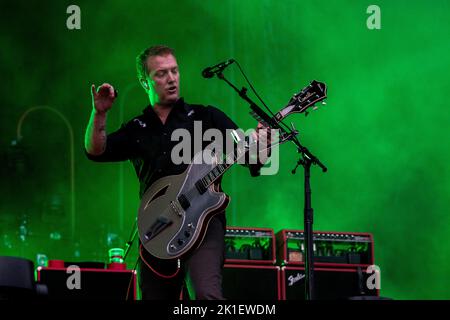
177 208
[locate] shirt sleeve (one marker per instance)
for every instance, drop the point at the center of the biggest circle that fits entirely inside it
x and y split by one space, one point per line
119 147
222 122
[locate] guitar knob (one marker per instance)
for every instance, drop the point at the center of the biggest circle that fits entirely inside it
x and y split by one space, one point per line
324 103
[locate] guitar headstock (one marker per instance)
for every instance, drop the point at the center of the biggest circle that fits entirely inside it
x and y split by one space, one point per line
315 92
310 95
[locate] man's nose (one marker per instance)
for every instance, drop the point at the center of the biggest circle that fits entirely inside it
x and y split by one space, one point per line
171 77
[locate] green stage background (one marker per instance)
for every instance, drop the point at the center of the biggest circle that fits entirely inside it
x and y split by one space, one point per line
384 133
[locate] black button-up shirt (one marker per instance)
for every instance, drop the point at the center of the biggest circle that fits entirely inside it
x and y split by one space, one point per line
146 141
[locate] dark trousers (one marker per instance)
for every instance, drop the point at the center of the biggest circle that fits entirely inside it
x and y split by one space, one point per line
201 271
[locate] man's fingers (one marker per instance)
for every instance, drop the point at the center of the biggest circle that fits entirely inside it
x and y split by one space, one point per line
111 92
93 91
107 90
104 91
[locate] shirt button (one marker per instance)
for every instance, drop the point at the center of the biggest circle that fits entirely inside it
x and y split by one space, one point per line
165 133
164 153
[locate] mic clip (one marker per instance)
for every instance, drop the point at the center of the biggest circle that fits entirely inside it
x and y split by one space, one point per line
209 72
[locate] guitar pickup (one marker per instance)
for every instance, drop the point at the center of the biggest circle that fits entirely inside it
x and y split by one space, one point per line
159 225
201 188
184 202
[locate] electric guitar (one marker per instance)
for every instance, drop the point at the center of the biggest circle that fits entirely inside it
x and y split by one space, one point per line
175 211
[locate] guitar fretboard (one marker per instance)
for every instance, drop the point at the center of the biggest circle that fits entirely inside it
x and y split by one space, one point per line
307 97
220 169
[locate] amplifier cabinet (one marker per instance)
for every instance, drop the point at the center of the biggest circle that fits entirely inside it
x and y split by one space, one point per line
251 282
245 245
94 284
331 249
329 283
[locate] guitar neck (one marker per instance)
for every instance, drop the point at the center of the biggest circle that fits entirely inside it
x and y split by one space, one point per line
221 168
268 123
299 103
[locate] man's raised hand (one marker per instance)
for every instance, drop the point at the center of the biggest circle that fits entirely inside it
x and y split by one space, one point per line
103 98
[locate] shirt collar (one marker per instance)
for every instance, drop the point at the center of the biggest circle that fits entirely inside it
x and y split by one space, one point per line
180 107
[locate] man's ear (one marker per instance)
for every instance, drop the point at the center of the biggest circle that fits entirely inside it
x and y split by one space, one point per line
144 84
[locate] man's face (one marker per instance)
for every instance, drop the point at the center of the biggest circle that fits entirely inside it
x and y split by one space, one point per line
163 79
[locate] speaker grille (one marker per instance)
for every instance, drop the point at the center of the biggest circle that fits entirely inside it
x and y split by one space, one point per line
250 282
94 284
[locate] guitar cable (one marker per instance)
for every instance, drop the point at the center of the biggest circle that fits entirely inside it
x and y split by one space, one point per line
152 269
156 272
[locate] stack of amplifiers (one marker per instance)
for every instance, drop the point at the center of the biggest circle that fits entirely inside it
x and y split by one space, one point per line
250 272
95 282
331 249
340 264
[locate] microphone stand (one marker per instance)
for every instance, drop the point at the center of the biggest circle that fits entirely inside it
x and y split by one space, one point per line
243 94
130 241
306 160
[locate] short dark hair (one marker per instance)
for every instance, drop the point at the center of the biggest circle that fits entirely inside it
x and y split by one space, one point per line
141 59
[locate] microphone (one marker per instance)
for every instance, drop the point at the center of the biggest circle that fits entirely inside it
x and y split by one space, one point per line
209 72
